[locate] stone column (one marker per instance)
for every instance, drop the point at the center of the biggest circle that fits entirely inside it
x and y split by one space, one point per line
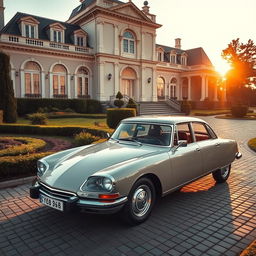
154 48
189 88
206 87
117 79
178 86
1 14
225 91
215 97
68 86
154 85
101 78
43 84
22 83
51 84
100 36
202 88
142 45
116 40
143 84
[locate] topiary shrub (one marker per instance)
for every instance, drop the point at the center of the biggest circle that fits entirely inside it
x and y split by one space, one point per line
119 102
239 110
115 115
7 101
1 116
185 107
93 106
38 118
85 138
132 104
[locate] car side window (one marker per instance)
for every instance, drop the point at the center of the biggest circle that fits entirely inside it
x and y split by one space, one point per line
183 132
200 131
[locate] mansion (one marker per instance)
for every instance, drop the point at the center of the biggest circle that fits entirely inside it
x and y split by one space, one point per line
104 47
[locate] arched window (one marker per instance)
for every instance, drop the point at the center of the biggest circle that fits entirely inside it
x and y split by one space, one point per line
82 82
160 88
59 80
128 42
173 88
32 79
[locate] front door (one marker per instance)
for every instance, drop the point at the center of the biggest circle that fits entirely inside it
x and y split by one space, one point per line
128 87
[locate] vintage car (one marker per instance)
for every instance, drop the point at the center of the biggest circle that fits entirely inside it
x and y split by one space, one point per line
144 159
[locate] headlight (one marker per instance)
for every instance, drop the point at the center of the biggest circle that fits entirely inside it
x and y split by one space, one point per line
98 184
42 166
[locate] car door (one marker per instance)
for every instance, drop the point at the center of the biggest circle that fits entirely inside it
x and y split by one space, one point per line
208 144
186 161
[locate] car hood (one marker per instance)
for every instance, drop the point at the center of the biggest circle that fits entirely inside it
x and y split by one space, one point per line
69 172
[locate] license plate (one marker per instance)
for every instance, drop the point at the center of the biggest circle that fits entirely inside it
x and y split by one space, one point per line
56 204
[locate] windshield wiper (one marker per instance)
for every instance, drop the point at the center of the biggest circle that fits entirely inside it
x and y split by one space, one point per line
131 139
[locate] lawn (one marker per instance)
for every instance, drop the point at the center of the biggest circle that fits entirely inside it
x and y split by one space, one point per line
87 122
206 112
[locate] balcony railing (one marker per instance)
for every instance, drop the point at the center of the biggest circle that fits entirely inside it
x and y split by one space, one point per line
44 44
83 96
33 95
60 96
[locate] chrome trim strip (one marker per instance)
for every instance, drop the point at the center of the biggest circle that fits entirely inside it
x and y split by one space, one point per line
93 203
57 190
238 155
51 196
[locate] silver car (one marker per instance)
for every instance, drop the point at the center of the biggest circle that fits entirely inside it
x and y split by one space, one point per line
145 158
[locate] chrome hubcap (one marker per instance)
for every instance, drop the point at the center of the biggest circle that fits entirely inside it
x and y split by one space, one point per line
225 171
141 200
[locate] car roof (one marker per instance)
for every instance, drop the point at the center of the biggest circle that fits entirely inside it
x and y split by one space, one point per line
163 119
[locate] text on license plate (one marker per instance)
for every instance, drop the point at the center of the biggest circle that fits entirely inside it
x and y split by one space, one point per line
56 204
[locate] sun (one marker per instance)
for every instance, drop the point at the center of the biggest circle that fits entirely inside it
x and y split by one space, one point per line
222 68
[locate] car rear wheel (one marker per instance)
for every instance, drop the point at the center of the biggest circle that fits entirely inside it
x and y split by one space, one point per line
141 200
222 174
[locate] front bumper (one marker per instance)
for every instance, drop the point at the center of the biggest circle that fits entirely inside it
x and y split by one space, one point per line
73 202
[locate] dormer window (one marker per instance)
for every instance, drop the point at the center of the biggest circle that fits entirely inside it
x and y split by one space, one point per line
128 42
29 27
80 37
173 59
183 59
57 32
160 54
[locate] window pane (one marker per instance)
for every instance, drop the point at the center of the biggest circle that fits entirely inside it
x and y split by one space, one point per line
86 86
128 35
200 132
55 36
131 46
59 69
55 84
36 83
28 83
125 45
32 31
79 86
31 65
62 85
59 36
27 30
184 132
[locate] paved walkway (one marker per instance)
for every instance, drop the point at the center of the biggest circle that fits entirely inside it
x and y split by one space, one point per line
201 219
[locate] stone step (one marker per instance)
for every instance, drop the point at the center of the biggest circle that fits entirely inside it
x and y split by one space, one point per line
156 108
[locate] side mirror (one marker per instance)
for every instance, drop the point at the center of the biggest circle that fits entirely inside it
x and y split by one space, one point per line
182 143
108 135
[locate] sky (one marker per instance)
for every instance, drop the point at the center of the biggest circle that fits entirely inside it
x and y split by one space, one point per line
199 23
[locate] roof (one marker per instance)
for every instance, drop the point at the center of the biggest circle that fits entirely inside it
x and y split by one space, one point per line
85 4
13 28
196 56
163 119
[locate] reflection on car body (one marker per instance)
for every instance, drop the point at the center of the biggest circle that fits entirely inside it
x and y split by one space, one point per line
145 158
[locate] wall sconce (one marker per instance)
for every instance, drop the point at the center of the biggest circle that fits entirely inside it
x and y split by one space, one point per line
72 77
16 73
149 80
109 76
46 76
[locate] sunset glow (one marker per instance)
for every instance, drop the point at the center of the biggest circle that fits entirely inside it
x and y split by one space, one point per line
222 68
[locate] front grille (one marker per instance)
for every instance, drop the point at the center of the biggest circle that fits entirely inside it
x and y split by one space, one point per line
60 194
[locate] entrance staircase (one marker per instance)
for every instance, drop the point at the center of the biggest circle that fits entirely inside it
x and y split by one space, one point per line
157 108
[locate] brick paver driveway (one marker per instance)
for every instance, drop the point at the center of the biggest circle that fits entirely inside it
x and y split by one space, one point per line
201 219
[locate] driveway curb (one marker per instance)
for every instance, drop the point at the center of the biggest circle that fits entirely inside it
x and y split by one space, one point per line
16 182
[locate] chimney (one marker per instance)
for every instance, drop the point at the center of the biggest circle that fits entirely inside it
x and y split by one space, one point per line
145 8
1 14
178 43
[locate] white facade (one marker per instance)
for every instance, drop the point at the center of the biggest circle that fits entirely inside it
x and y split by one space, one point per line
114 49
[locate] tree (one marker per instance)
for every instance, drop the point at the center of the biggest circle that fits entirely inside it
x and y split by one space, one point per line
7 101
242 59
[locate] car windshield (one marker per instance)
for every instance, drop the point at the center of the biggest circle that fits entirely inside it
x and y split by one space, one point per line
153 134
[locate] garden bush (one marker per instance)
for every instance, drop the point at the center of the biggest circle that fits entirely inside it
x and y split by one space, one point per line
239 110
1 116
38 118
119 102
20 165
185 107
132 104
93 106
85 138
52 130
115 115
29 145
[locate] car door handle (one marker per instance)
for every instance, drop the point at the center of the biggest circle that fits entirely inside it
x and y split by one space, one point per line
217 144
197 149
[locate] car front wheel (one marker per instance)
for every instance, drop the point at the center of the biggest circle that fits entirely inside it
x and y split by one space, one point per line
222 174
141 200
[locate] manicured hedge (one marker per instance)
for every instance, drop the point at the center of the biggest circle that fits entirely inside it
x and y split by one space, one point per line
239 110
115 115
30 145
51 130
1 116
27 106
75 115
11 166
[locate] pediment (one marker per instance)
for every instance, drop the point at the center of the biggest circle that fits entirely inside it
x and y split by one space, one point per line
131 10
29 19
57 25
80 32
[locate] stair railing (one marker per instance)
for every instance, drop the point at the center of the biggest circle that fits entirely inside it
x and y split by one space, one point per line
174 104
